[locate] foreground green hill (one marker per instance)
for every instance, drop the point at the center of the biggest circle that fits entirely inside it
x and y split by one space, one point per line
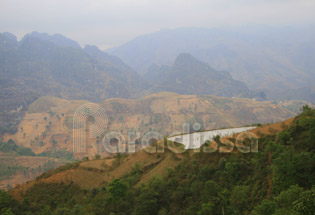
279 179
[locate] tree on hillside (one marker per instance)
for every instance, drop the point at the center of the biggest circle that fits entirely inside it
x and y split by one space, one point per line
117 188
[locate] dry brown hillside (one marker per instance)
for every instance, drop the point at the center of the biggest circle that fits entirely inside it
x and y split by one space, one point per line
96 173
49 121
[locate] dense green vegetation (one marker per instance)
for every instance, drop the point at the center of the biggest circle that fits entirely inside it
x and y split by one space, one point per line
279 179
11 147
58 153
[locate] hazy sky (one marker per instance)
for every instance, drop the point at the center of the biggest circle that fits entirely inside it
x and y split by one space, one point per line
107 23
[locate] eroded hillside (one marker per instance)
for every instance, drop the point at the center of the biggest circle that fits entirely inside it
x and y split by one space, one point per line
48 124
139 167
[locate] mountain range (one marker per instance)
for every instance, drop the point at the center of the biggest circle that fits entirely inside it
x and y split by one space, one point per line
278 61
188 75
41 64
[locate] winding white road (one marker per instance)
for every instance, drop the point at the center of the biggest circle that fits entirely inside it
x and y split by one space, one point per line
197 139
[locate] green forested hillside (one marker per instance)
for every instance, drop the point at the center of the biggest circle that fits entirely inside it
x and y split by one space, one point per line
279 179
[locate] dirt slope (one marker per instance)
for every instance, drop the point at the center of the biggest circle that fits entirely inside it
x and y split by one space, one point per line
95 173
48 122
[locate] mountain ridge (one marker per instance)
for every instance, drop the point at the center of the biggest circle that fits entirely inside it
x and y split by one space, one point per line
188 75
265 58
40 64
36 66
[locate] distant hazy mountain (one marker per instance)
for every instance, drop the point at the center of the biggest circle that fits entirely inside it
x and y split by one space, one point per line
190 76
40 65
57 39
272 59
